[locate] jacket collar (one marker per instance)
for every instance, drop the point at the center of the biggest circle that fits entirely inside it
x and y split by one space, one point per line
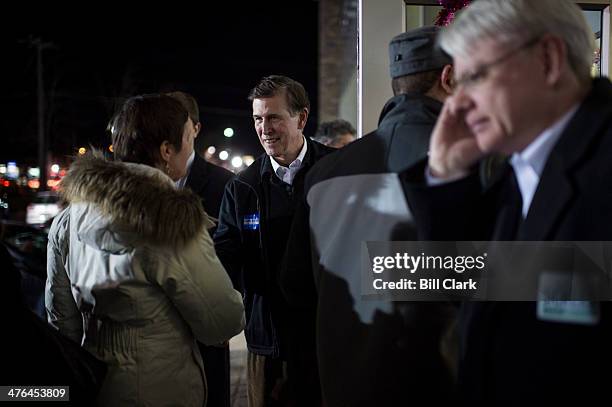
262 167
199 175
136 198
409 107
583 130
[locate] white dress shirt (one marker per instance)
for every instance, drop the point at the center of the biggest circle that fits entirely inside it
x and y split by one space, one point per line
286 174
529 163
181 182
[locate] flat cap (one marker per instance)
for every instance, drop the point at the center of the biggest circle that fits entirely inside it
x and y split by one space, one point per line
416 51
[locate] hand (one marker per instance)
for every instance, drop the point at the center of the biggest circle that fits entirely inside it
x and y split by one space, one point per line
453 148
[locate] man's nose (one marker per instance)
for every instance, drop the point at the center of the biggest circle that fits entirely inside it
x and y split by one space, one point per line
460 101
266 126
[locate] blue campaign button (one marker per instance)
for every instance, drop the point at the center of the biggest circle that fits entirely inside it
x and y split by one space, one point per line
251 222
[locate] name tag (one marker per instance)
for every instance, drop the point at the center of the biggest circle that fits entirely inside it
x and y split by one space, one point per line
251 222
553 287
569 312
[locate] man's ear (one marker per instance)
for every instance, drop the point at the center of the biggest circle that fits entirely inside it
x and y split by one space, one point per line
446 79
554 58
165 150
198 127
303 118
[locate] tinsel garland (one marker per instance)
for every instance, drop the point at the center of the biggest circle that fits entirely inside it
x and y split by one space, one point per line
450 7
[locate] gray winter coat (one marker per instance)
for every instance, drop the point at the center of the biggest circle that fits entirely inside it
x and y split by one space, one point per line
133 277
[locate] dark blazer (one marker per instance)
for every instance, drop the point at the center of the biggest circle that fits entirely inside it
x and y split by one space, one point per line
508 355
208 181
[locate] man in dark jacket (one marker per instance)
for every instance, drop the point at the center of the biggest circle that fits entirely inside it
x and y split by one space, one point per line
524 89
205 179
208 181
373 352
254 225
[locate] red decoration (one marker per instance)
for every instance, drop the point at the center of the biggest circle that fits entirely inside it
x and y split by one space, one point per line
450 8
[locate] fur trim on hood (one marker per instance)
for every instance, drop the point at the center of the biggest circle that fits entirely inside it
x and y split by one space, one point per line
138 197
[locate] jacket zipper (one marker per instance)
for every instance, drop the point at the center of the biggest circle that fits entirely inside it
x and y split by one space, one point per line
264 258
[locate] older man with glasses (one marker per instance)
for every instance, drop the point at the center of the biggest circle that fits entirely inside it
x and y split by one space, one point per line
523 89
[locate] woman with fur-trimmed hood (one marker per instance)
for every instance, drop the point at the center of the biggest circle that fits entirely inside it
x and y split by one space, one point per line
132 271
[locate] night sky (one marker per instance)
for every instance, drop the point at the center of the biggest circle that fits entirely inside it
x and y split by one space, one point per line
215 53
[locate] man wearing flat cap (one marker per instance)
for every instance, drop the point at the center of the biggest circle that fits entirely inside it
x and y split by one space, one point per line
373 352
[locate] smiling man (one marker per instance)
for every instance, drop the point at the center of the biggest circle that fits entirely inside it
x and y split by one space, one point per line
523 88
279 125
254 226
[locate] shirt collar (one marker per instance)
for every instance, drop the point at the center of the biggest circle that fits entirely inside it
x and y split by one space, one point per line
536 153
181 182
529 164
296 164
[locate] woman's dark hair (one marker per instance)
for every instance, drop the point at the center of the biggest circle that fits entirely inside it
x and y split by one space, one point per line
143 123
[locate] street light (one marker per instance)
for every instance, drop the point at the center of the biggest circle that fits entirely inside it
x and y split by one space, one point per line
236 162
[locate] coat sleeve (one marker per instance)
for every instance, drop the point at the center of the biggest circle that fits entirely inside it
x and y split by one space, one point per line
227 237
451 211
197 284
62 311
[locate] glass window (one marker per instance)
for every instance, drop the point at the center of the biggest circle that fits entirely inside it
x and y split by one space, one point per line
594 16
424 12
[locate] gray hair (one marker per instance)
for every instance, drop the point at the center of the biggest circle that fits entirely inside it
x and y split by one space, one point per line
513 21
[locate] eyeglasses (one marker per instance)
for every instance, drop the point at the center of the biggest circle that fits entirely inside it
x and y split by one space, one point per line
480 74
